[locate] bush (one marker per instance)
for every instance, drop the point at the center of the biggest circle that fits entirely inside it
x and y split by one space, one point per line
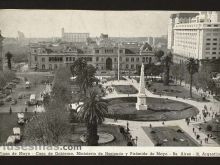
209 127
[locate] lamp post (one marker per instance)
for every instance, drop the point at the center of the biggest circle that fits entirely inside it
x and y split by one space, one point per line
118 61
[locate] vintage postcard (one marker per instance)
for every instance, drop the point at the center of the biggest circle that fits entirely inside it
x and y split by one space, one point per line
109 83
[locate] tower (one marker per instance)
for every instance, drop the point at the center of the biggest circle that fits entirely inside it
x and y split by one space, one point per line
1 53
141 97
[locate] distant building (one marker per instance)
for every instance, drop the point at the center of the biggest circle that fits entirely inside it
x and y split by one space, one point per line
21 36
103 54
74 37
194 35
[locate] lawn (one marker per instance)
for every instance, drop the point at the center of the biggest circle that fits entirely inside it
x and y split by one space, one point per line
169 136
158 109
172 90
125 89
215 131
7 122
79 129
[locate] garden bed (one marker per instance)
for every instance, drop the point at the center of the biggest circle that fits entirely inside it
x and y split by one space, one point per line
125 89
169 136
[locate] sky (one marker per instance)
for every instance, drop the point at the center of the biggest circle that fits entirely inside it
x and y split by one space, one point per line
48 23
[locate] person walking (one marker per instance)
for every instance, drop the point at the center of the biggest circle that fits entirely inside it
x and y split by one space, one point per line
10 110
193 129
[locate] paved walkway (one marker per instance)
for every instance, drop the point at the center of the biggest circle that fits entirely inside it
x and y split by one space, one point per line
136 126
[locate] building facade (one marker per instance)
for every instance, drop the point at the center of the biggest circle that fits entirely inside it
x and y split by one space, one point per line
103 56
194 35
74 37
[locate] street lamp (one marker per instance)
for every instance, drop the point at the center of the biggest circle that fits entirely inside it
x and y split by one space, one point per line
118 61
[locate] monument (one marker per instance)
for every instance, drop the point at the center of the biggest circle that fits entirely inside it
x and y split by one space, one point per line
141 97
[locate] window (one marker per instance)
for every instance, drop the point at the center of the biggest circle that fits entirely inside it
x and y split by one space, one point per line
213 52
97 58
43 59
132 59
214 48
214 44
43 66
208 39
127 59
73 58
137 59
127 66
88 58
121 51
67 58
208 48
55 66
35 57
70 58
143 59
207 43
97 51
102 59
50 66
132 66
115 59
214 39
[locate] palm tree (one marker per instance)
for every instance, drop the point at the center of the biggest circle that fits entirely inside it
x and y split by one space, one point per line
92 112
85 74
8 55
167 61
192 66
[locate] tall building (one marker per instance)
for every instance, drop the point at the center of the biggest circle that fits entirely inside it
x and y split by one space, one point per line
194 35
74 37
1 52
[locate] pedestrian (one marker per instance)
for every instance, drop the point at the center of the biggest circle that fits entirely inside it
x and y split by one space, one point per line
10 110
200 128
163 123
201 142
25 109
150 126
193 129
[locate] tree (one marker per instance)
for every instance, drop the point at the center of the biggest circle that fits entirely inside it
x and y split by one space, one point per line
92 111
49 128
192 66
8 55
85 74
167 61
159 54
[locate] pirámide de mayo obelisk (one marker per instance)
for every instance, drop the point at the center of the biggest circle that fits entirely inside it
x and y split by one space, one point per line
141 97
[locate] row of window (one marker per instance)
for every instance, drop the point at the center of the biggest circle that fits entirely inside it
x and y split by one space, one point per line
57 59
109 51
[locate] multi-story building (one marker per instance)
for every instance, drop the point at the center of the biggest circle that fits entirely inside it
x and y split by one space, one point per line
103 56
194 35
74 37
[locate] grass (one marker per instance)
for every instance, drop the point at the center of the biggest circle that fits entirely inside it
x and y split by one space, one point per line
172 90
215 128
125 89
79 129
159 134
158 109
7 122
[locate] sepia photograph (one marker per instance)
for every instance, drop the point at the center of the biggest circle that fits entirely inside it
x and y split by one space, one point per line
76 78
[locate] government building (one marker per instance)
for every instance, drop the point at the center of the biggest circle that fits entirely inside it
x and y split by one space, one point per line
102 53
194 35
